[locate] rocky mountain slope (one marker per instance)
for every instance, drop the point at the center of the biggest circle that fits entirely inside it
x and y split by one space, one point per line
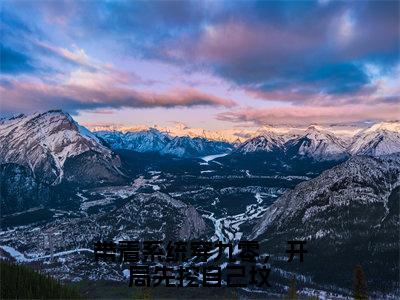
308 154
318 144
379 139
19 190
194 147
44 150
55 148
348 215
152 217
268 142
315 141
150 140
231 135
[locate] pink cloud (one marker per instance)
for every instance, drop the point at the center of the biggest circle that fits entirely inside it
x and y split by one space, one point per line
305 95
28 96
311 114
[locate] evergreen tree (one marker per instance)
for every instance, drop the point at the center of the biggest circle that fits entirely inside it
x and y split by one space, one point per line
143 293
292 293
359 286
22 282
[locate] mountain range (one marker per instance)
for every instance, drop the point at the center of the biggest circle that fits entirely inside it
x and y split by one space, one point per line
42 150
340 194
235 135
320 144
315 142
153 140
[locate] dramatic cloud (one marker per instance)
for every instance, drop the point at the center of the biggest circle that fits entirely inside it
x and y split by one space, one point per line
314 55
320 52
29 96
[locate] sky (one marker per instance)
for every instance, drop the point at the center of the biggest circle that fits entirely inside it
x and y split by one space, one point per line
209 64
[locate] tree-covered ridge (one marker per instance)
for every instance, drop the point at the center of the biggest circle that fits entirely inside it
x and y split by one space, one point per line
22 282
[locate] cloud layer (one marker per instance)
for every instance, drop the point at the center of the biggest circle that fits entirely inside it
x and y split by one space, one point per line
73 97
311 115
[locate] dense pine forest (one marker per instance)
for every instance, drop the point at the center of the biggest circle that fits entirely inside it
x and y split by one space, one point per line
22 282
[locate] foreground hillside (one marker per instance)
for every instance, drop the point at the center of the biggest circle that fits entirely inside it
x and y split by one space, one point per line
22 282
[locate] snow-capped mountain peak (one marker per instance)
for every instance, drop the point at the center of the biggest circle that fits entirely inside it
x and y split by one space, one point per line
266 142
194 147
313 129
317 143
388 126
149 140
380 139
152 140
43 142
320 143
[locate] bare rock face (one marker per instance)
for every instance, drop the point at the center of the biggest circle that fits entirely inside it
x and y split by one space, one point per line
90 168
193 225
349 215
